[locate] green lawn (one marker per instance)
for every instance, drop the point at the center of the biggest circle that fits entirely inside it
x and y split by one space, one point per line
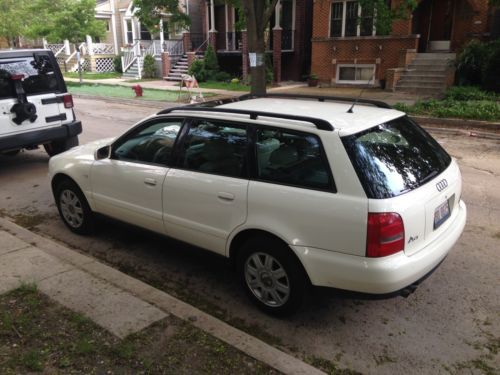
224 86
126 92
87 75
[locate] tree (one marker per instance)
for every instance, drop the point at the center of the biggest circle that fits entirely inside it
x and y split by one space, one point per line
150 13
384 15
12 16
257 15
57 20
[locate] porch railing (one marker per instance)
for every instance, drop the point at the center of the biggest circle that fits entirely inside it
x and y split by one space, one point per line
198 40
175 47
103 49
82 48
56 48
130 55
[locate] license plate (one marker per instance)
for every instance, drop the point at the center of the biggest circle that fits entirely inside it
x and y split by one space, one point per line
441 214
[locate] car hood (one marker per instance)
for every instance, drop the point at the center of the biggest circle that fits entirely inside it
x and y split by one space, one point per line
85 151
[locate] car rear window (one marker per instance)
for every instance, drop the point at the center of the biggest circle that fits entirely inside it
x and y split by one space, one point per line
395 157
39 75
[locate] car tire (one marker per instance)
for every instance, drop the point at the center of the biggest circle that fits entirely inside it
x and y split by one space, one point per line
272 276
11 153
73 208
61 145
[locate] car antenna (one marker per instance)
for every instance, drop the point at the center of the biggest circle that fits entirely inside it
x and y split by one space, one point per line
361 93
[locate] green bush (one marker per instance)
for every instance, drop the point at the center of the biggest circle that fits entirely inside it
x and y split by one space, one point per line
198 70
469 63
222 77
472 109
211 63
491 68
117 63
149 67
478 63
464 93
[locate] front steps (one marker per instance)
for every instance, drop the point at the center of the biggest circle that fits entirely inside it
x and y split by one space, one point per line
426 74
181 67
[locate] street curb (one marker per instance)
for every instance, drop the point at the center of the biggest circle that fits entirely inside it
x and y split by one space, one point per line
242 341
463 124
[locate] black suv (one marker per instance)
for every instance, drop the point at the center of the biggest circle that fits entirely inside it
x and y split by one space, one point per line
35 107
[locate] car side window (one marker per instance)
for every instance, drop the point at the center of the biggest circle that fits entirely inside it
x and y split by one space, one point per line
215 147
152 143
291 158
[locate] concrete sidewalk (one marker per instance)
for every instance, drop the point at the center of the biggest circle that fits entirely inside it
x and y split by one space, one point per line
287 88
112 299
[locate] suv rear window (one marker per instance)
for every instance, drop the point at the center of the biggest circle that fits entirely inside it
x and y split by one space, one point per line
394 158
39 75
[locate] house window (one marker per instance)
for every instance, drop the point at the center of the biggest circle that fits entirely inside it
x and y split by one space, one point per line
351 18
366 22
360 74
347 18
130 33
336 20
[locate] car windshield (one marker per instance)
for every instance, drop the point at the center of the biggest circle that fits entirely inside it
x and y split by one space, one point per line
395 157
38 75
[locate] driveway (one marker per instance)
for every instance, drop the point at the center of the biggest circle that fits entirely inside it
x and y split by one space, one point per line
450 324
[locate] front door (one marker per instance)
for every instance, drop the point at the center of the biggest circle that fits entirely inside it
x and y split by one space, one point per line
441 22
205 196
128 186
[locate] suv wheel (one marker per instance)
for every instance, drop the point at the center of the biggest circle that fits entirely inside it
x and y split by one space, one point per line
272 277
60 145
11 153
73 207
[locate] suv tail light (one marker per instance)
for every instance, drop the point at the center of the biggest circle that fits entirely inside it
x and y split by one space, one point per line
68 101
385 235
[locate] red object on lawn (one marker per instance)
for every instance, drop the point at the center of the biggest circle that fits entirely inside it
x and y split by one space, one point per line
138 90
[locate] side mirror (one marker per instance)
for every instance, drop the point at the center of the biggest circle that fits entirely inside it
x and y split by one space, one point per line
103 153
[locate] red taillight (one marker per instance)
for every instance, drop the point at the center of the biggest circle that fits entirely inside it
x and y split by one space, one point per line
68 101
17 77
386 234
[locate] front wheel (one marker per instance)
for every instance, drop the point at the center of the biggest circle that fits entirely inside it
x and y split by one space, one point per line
272 276
60 145
73 207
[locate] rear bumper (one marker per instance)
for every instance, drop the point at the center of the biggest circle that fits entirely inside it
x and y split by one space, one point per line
38 137
379 275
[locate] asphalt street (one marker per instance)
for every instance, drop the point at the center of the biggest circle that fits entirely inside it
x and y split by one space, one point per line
450 324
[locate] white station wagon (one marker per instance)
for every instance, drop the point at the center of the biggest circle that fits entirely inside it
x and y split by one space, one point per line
297 190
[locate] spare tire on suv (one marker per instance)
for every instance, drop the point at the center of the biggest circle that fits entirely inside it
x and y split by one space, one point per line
35 106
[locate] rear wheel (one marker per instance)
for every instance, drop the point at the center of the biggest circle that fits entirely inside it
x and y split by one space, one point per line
271 275
11 153
73 207
60 145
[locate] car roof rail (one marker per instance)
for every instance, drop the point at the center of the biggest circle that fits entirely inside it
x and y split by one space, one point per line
254 115
319 98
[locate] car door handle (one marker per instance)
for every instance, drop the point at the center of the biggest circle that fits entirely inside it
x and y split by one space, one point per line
228 197
150 181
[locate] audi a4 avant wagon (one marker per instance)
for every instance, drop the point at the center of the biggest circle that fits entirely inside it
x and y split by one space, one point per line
297 190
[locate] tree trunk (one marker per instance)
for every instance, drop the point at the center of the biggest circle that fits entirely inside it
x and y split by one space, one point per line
257 17
257 46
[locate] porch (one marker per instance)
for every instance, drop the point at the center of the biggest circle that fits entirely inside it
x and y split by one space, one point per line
94 57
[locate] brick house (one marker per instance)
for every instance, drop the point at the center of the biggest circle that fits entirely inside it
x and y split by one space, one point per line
288 37
415 54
